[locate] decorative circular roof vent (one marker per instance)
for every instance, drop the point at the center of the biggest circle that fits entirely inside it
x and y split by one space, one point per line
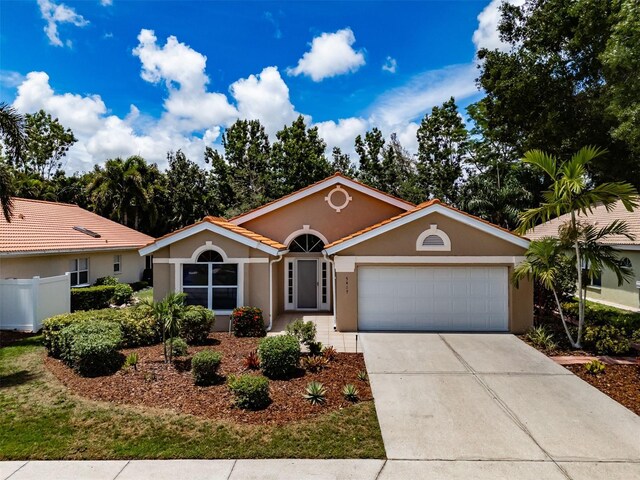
338 198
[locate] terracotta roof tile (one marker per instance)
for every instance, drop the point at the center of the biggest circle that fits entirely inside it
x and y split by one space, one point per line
419 207
39 226
337 174
221 222
600 217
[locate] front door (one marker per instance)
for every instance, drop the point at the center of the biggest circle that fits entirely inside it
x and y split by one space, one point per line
307 283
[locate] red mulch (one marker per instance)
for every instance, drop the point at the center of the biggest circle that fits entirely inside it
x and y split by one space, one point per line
157 385
620 382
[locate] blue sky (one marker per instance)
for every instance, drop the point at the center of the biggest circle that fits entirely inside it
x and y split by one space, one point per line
144 77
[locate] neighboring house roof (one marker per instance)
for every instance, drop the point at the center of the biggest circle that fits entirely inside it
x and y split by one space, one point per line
335 179
600 217
420 211
222 227
48 227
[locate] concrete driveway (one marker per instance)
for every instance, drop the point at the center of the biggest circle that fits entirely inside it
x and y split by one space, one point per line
489 406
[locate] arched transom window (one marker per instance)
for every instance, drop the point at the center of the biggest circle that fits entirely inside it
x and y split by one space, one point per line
211 282
433 240
306 243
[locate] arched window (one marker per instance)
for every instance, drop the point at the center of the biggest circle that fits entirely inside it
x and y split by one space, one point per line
306 243
433 240
211 282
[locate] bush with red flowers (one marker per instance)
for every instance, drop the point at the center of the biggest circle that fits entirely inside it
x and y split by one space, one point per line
248 322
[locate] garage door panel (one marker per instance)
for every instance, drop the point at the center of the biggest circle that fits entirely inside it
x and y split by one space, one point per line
433 298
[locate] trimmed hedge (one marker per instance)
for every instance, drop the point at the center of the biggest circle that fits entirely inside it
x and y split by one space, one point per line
178 347
109 280
279 355
250 391
607 339
196 324
204 367
91 348
248 322
596 314
91 298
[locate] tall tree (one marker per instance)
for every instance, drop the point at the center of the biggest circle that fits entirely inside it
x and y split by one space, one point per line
443 143
572 193
298 157
369 150
247 152
47 144
185 192
551 91
220 195
341 162
13 139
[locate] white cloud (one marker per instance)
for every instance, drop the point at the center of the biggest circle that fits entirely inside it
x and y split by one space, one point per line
106 3
343 133
10 79
331 54
55 14
487 35
390 65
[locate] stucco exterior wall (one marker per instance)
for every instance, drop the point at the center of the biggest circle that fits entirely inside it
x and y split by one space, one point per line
100 265
626 295
361 212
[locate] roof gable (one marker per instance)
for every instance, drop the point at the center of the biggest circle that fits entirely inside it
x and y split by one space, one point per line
335 179
421 211
221 227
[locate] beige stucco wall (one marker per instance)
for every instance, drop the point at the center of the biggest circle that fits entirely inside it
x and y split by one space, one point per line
100 265
627 295
465 241
314 211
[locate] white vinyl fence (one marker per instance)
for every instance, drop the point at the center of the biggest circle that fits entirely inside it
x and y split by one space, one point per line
25 303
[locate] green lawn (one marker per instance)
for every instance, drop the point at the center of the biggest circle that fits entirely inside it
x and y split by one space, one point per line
41 420
146 294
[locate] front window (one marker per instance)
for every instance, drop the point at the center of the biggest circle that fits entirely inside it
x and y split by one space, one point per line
211 282
117 263
79 271
596 280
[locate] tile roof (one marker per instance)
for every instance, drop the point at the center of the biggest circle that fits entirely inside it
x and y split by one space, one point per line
221 222
39 226
337 174
419 207
600 217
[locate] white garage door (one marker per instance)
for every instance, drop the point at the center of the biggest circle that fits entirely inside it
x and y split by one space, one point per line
433 298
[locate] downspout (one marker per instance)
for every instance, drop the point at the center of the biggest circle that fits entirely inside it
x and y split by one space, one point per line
271 262
333 286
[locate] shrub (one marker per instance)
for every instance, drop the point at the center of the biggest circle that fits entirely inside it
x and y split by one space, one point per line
250 391
122 294
315 393
248 322
106 281
329 353
91 298
314 364
315 348
91 348
137 286
594 367
204 367
350 392
596 314
279 355
178 347
196 324
636 336
541 338
131 361
305 332
607 339
251 361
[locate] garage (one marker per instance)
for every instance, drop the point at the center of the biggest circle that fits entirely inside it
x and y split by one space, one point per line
433 298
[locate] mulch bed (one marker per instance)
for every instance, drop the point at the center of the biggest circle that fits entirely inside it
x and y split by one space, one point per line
620 382
155 384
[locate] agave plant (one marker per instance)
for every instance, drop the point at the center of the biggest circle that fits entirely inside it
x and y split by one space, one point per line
350 392
362 376
315 393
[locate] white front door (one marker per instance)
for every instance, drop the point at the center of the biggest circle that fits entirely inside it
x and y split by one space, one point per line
433 298
306 284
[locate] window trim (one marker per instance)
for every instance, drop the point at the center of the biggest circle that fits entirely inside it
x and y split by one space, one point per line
433 231
77 271
117 260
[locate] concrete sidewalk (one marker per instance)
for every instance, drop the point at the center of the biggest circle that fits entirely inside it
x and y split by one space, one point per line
315 470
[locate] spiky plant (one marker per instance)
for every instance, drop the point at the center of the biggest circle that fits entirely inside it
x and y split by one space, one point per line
541 338
315 393
350 392
251 361
329 353
132 360
314 364
362 376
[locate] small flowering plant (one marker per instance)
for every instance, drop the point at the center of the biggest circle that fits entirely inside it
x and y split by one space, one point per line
248 322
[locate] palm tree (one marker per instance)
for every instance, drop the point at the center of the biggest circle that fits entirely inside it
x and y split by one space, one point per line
571 193
14 139
168 315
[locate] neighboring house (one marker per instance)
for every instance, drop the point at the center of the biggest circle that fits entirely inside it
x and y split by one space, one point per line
48 239
605 289
377 262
